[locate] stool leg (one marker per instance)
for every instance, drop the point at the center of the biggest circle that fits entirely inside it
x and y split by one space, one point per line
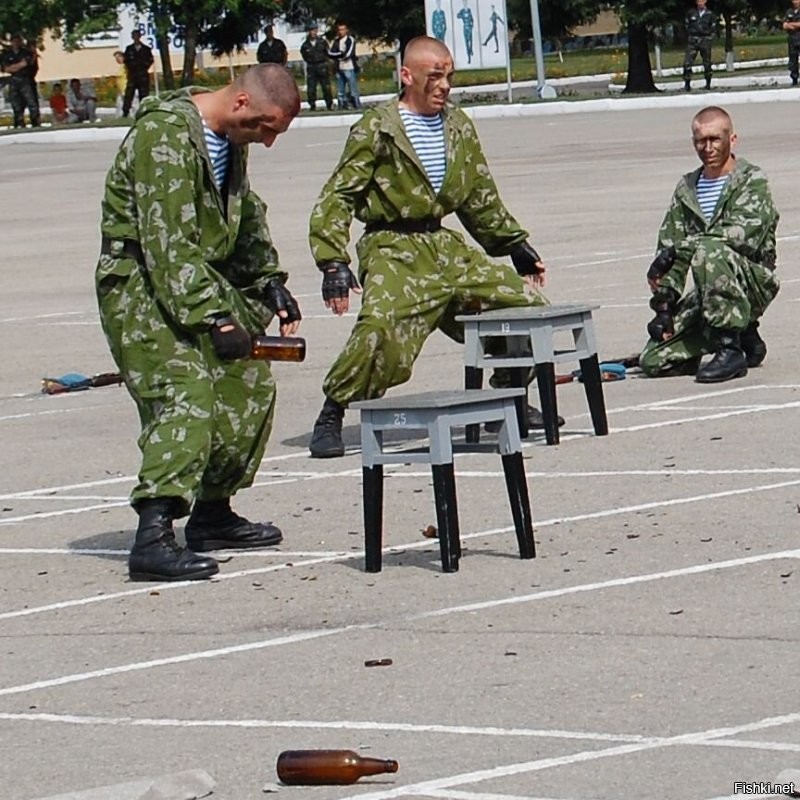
373 517
546 379
520 503
473 379
593 386
444 493
518 376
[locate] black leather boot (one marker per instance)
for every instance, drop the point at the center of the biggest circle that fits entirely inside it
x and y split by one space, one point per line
755 348
728 362
156 556
535 421
326 438
213 525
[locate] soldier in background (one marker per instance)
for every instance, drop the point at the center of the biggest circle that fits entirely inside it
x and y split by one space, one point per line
700 27
720 226
272 50
21 64
791 24
314 52
138 59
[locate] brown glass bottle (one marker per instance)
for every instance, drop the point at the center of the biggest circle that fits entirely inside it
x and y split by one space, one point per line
278 348
332 767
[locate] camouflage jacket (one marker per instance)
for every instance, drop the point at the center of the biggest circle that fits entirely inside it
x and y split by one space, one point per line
207 252
700 26
745 219
380 178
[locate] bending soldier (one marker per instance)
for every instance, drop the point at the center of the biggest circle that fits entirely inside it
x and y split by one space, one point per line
406 164
187 274
720 226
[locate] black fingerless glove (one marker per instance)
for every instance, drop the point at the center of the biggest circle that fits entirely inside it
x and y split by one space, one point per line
662 263
337 280
230 339
524 258
661 323
278 298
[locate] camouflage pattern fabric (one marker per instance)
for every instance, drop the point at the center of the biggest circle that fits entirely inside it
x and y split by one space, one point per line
413 283
206 253
726 257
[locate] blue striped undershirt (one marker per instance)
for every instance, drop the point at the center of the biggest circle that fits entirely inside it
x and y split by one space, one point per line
708 193
219 151
426 134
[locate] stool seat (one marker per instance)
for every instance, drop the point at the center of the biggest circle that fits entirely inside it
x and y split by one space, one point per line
530 334
438 413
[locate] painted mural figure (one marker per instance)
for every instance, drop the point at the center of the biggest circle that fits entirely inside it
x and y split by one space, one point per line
467 20
438 22
494 19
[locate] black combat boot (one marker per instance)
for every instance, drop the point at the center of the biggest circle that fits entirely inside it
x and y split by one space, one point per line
156 556
755 348
213 525
728 362
326 438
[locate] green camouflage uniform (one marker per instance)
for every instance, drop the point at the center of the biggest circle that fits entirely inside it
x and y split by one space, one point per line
726 255
207 254
413 282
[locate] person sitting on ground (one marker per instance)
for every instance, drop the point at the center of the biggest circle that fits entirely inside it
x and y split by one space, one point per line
58 104
720 226
406 164
81 102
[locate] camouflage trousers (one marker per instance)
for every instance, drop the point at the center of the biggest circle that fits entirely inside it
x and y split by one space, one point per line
694 46
413 285
729 293
204 422
22 94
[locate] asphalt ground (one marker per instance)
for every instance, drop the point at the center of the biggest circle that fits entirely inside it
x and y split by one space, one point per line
650 650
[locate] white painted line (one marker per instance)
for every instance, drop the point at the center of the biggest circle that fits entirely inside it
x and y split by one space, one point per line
456 794
748 744
299 637
425 787
410 546
350 725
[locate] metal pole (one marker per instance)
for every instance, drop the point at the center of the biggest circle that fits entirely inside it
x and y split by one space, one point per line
508 53
544 91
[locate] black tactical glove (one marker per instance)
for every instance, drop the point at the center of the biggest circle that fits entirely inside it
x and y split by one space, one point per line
662 264
278 298
661 323
524 258
230 339
337 280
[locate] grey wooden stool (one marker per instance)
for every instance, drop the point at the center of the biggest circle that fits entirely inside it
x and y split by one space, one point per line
530 336
438 413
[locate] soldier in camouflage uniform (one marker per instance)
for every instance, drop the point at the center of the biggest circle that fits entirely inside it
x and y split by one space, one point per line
791 24
187 274
700 24
416 274
730 249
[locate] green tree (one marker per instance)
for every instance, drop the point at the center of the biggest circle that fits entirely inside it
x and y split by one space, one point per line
556 17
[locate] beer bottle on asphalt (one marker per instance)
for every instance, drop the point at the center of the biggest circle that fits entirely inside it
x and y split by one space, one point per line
333 767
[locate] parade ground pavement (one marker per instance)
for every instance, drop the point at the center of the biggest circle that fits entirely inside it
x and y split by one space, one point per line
649 651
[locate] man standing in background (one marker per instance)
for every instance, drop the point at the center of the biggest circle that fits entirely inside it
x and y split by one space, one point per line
314 52
700 25
20 63
791 24
272 50
343 52
138 59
